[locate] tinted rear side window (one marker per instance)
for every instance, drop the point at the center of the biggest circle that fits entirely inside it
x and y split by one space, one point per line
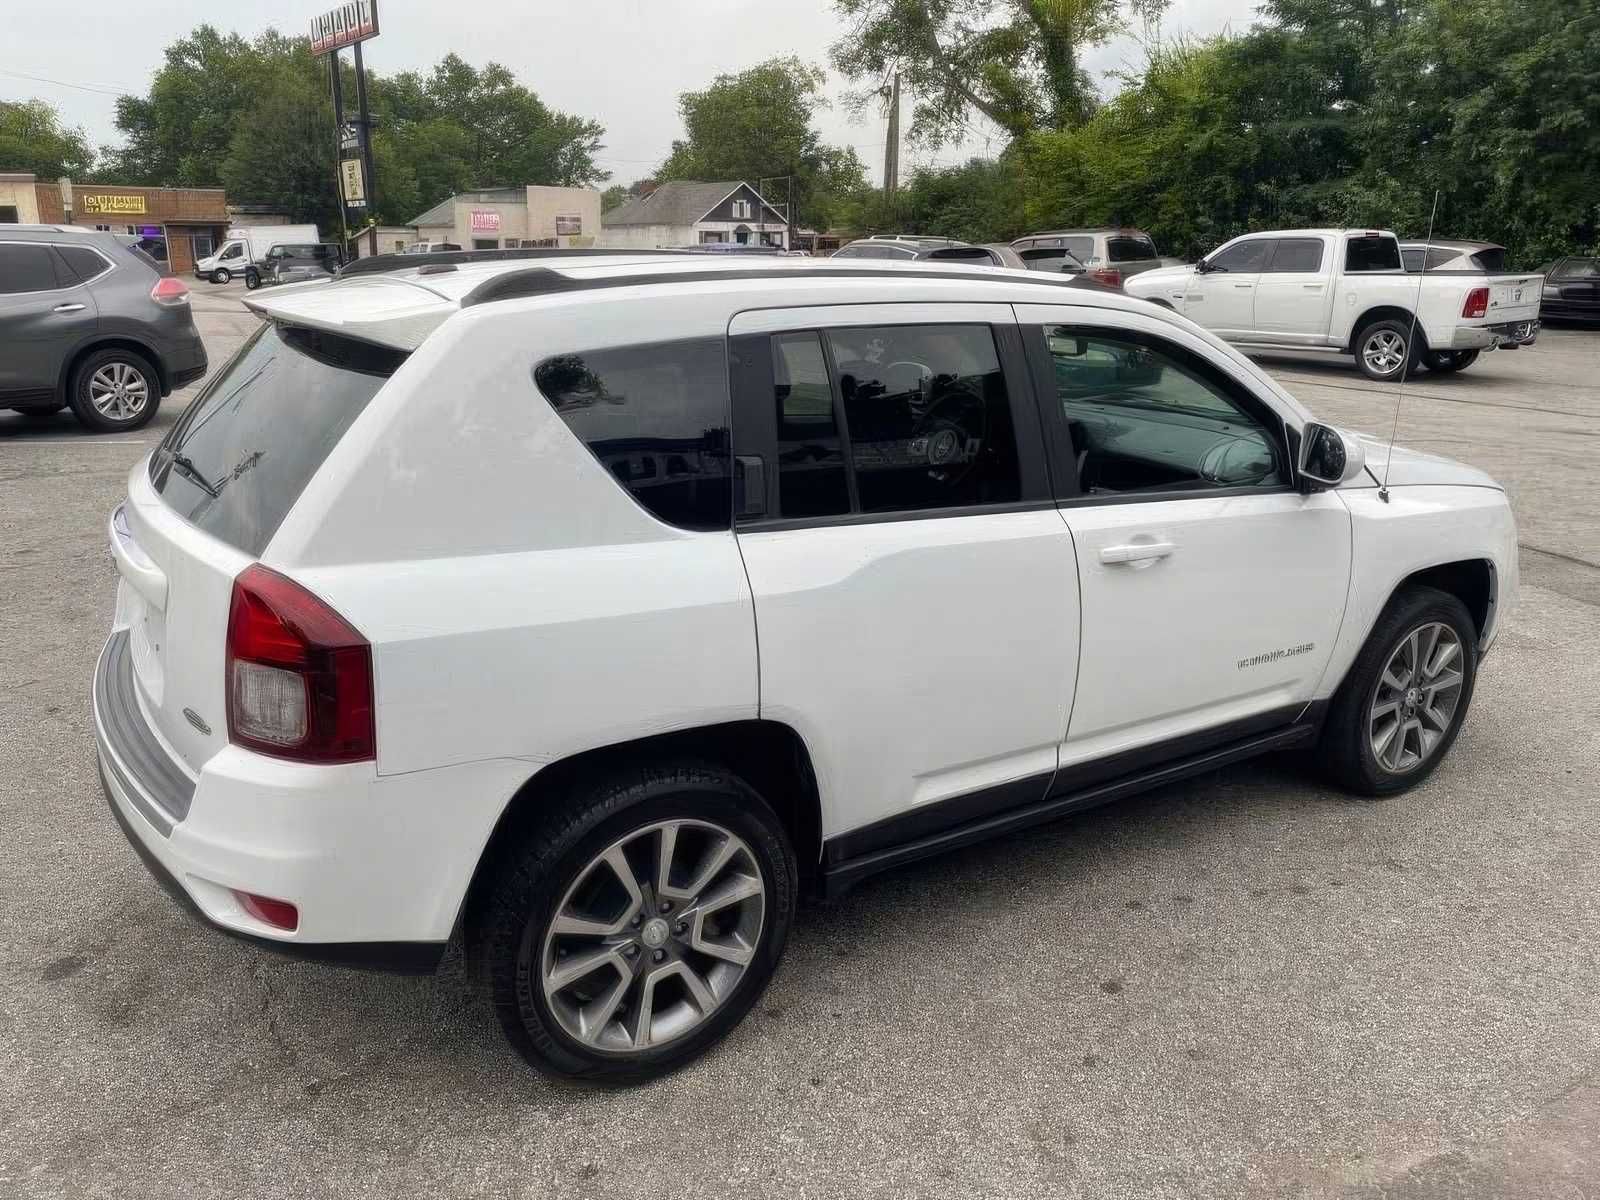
84 262
27 268
242 453
1296 255
1129 249
1372 254
1492 260
657 418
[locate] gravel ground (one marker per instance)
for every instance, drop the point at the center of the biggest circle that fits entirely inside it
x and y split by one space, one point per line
1247 985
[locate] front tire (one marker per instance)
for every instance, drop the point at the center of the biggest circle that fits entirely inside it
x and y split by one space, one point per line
1401 706
1384 350
221 275
630 928
1444 362
115 390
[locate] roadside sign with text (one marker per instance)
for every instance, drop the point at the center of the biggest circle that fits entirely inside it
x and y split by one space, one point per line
344 26
569 226
350 176
92 203
485 220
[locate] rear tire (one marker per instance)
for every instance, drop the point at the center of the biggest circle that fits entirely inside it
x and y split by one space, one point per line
654 998
115 390
221 275
1446 361
1402 687
1384 350
252 280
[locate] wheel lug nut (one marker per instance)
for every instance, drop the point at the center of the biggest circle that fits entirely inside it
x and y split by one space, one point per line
681 927
660 955
637 919
666 906
630 950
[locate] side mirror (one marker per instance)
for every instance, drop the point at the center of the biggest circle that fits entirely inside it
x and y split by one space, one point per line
1200 268
1329 457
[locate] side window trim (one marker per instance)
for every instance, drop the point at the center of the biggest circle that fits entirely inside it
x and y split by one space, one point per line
1058 438
841 421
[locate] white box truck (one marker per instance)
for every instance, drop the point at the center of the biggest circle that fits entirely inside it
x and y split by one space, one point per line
246 245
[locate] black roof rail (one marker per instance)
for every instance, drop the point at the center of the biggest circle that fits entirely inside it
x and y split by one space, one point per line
542 281
378 264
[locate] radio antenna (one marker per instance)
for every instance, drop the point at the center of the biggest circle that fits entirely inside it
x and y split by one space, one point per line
1411 343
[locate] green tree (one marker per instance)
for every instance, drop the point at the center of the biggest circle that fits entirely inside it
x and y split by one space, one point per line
32 138
757 125
282 154
1013 61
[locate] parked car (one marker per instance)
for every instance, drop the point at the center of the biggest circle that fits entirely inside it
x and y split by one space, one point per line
1110 255
442 606
1462 258
296 262
1572 288
90 323
245 246
1344 291
912 248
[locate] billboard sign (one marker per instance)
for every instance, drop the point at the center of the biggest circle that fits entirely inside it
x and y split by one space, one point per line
93 203
569 226
346 25
350 176
485 220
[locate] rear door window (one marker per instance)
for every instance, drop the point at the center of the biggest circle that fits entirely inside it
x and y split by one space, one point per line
242 453
27 267
656 417
1371 254
1296 255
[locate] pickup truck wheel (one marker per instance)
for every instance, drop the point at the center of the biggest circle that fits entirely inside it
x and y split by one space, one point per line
1399 709
630 928
221 275
1383 350
1446 361
251 280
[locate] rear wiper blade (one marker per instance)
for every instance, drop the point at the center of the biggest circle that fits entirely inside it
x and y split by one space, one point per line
192 473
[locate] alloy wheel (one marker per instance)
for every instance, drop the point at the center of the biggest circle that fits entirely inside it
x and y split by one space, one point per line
653 936
119 391
1384 351
1416 698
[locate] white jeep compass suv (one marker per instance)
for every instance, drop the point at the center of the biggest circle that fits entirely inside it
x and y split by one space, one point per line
593 608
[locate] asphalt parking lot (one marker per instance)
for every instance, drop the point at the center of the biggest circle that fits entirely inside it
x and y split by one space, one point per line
1246 985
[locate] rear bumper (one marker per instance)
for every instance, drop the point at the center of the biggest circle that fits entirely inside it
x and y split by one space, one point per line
185 362
377 871
1484 337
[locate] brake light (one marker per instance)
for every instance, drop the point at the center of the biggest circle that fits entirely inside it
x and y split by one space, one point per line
1109 276
299 675
170 291
1477 303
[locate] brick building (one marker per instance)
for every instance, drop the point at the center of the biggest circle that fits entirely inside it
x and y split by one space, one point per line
175 225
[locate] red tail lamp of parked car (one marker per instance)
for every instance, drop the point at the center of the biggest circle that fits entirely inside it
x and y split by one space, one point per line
280 914
299 675
1477 303
1109 276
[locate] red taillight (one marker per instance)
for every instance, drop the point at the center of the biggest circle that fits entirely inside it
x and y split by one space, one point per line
169 291
1109 276
1477 303
299 676
280 914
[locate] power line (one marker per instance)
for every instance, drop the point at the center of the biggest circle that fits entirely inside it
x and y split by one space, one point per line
82 87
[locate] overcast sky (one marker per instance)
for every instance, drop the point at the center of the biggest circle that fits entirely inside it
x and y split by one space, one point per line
622 62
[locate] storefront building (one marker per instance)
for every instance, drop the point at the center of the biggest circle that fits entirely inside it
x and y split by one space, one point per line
173 225
512 217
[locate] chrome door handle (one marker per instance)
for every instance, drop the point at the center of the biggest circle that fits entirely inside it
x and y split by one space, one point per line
67 308
1136 552
1312 287
1244 285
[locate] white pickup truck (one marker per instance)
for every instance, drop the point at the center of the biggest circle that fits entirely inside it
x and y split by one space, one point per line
1346 291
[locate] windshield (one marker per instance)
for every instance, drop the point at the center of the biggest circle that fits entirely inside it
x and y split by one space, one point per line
242 453
1579 268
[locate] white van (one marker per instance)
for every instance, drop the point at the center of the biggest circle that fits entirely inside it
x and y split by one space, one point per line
246 245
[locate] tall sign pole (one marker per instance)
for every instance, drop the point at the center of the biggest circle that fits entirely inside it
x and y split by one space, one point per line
338 147
349 25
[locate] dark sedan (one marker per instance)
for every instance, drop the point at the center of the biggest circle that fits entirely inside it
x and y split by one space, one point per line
1571 289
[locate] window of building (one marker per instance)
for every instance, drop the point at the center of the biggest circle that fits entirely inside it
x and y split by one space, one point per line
8 214
1371 254
486 243
712 235
741 210
27 268
656 417
1243 256
1146 416
203 245
1296 255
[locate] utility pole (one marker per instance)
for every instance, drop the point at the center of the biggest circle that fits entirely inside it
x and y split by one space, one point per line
891 149
338 148
366 151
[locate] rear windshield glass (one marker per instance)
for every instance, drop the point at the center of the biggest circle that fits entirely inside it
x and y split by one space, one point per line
1372 254
1491 260
1579 268
966 254
242 453
1129 249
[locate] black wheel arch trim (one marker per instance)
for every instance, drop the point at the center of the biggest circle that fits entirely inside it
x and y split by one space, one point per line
113 341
